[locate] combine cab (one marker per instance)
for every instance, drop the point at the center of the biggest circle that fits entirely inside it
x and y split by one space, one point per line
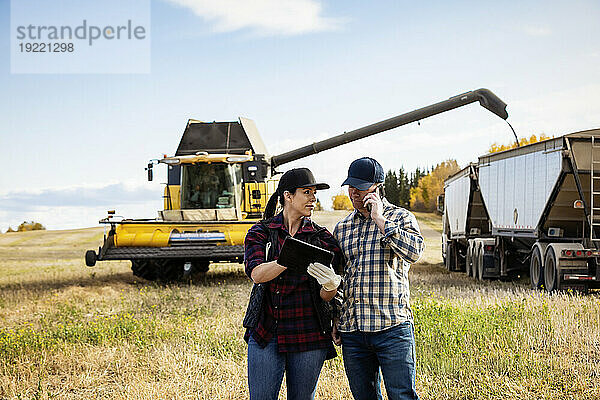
219 182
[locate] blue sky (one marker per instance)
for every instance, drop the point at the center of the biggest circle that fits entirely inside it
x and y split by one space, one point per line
75 145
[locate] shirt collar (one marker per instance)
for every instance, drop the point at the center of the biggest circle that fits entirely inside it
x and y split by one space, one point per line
277 223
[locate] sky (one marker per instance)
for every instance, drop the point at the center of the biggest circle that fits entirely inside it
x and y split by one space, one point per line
75 145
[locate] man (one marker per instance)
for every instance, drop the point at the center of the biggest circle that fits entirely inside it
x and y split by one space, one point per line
379 241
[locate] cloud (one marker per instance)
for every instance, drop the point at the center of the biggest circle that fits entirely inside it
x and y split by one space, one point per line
284 17
76 196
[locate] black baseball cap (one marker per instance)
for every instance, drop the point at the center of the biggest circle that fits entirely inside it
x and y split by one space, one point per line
363 173
299 178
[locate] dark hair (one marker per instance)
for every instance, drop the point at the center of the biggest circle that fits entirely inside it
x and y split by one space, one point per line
272 203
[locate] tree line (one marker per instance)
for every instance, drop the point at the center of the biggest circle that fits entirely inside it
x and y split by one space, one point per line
419 189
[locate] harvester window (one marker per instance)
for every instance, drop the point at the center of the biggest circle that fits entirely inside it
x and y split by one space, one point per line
210 186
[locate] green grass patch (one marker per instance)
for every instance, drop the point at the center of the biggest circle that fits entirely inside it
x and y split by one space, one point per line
102 330
509 342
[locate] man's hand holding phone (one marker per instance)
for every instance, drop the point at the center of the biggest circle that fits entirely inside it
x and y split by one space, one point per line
374 204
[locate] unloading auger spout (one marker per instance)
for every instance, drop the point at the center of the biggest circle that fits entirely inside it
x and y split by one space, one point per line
485 97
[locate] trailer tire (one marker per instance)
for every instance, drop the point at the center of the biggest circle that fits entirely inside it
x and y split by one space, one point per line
450 256
479 271
551 275
459 261
536 269
469 260
475 265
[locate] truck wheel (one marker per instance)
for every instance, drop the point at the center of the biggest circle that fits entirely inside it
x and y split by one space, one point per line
450 257
459 262
479 271
536 270
501 255
469 260
90 258
456 262
475 265
551 276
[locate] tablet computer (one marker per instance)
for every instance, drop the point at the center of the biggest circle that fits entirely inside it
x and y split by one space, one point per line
296 255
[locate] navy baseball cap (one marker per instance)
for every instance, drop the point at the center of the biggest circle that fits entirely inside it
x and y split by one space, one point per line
363 173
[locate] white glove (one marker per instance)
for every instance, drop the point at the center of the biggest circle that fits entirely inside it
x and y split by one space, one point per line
325 276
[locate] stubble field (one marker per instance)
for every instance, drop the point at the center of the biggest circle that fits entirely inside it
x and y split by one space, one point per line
71 332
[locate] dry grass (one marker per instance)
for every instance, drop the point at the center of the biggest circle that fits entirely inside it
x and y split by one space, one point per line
70 332
433 220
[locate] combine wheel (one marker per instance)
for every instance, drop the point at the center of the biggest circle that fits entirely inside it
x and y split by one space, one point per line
165 270
536 270
551 276
144 269
200 267
169 270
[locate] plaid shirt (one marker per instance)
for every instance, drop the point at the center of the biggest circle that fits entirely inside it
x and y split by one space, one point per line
289 313
376 289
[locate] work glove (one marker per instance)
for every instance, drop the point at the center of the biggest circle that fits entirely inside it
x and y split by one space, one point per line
325 276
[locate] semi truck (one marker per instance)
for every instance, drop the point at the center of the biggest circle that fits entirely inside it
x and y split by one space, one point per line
533 209
218 183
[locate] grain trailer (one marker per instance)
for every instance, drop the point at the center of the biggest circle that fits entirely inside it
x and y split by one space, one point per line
534 208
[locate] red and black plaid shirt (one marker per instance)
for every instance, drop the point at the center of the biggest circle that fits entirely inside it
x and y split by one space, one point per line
289 313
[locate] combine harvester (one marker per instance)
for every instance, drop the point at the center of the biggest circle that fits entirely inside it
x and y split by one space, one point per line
535 207
218 183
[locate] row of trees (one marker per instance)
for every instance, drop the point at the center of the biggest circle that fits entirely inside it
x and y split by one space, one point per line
495 147
398 185
419 190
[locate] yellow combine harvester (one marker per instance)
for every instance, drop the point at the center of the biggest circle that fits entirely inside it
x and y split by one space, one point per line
219 182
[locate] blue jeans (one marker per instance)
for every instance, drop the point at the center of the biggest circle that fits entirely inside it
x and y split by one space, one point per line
392 350
266 367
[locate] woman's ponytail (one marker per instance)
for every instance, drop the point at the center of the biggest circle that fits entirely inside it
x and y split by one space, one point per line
271 206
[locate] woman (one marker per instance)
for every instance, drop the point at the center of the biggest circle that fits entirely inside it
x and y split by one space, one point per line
289 316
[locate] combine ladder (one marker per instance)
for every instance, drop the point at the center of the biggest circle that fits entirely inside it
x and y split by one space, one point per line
594 191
